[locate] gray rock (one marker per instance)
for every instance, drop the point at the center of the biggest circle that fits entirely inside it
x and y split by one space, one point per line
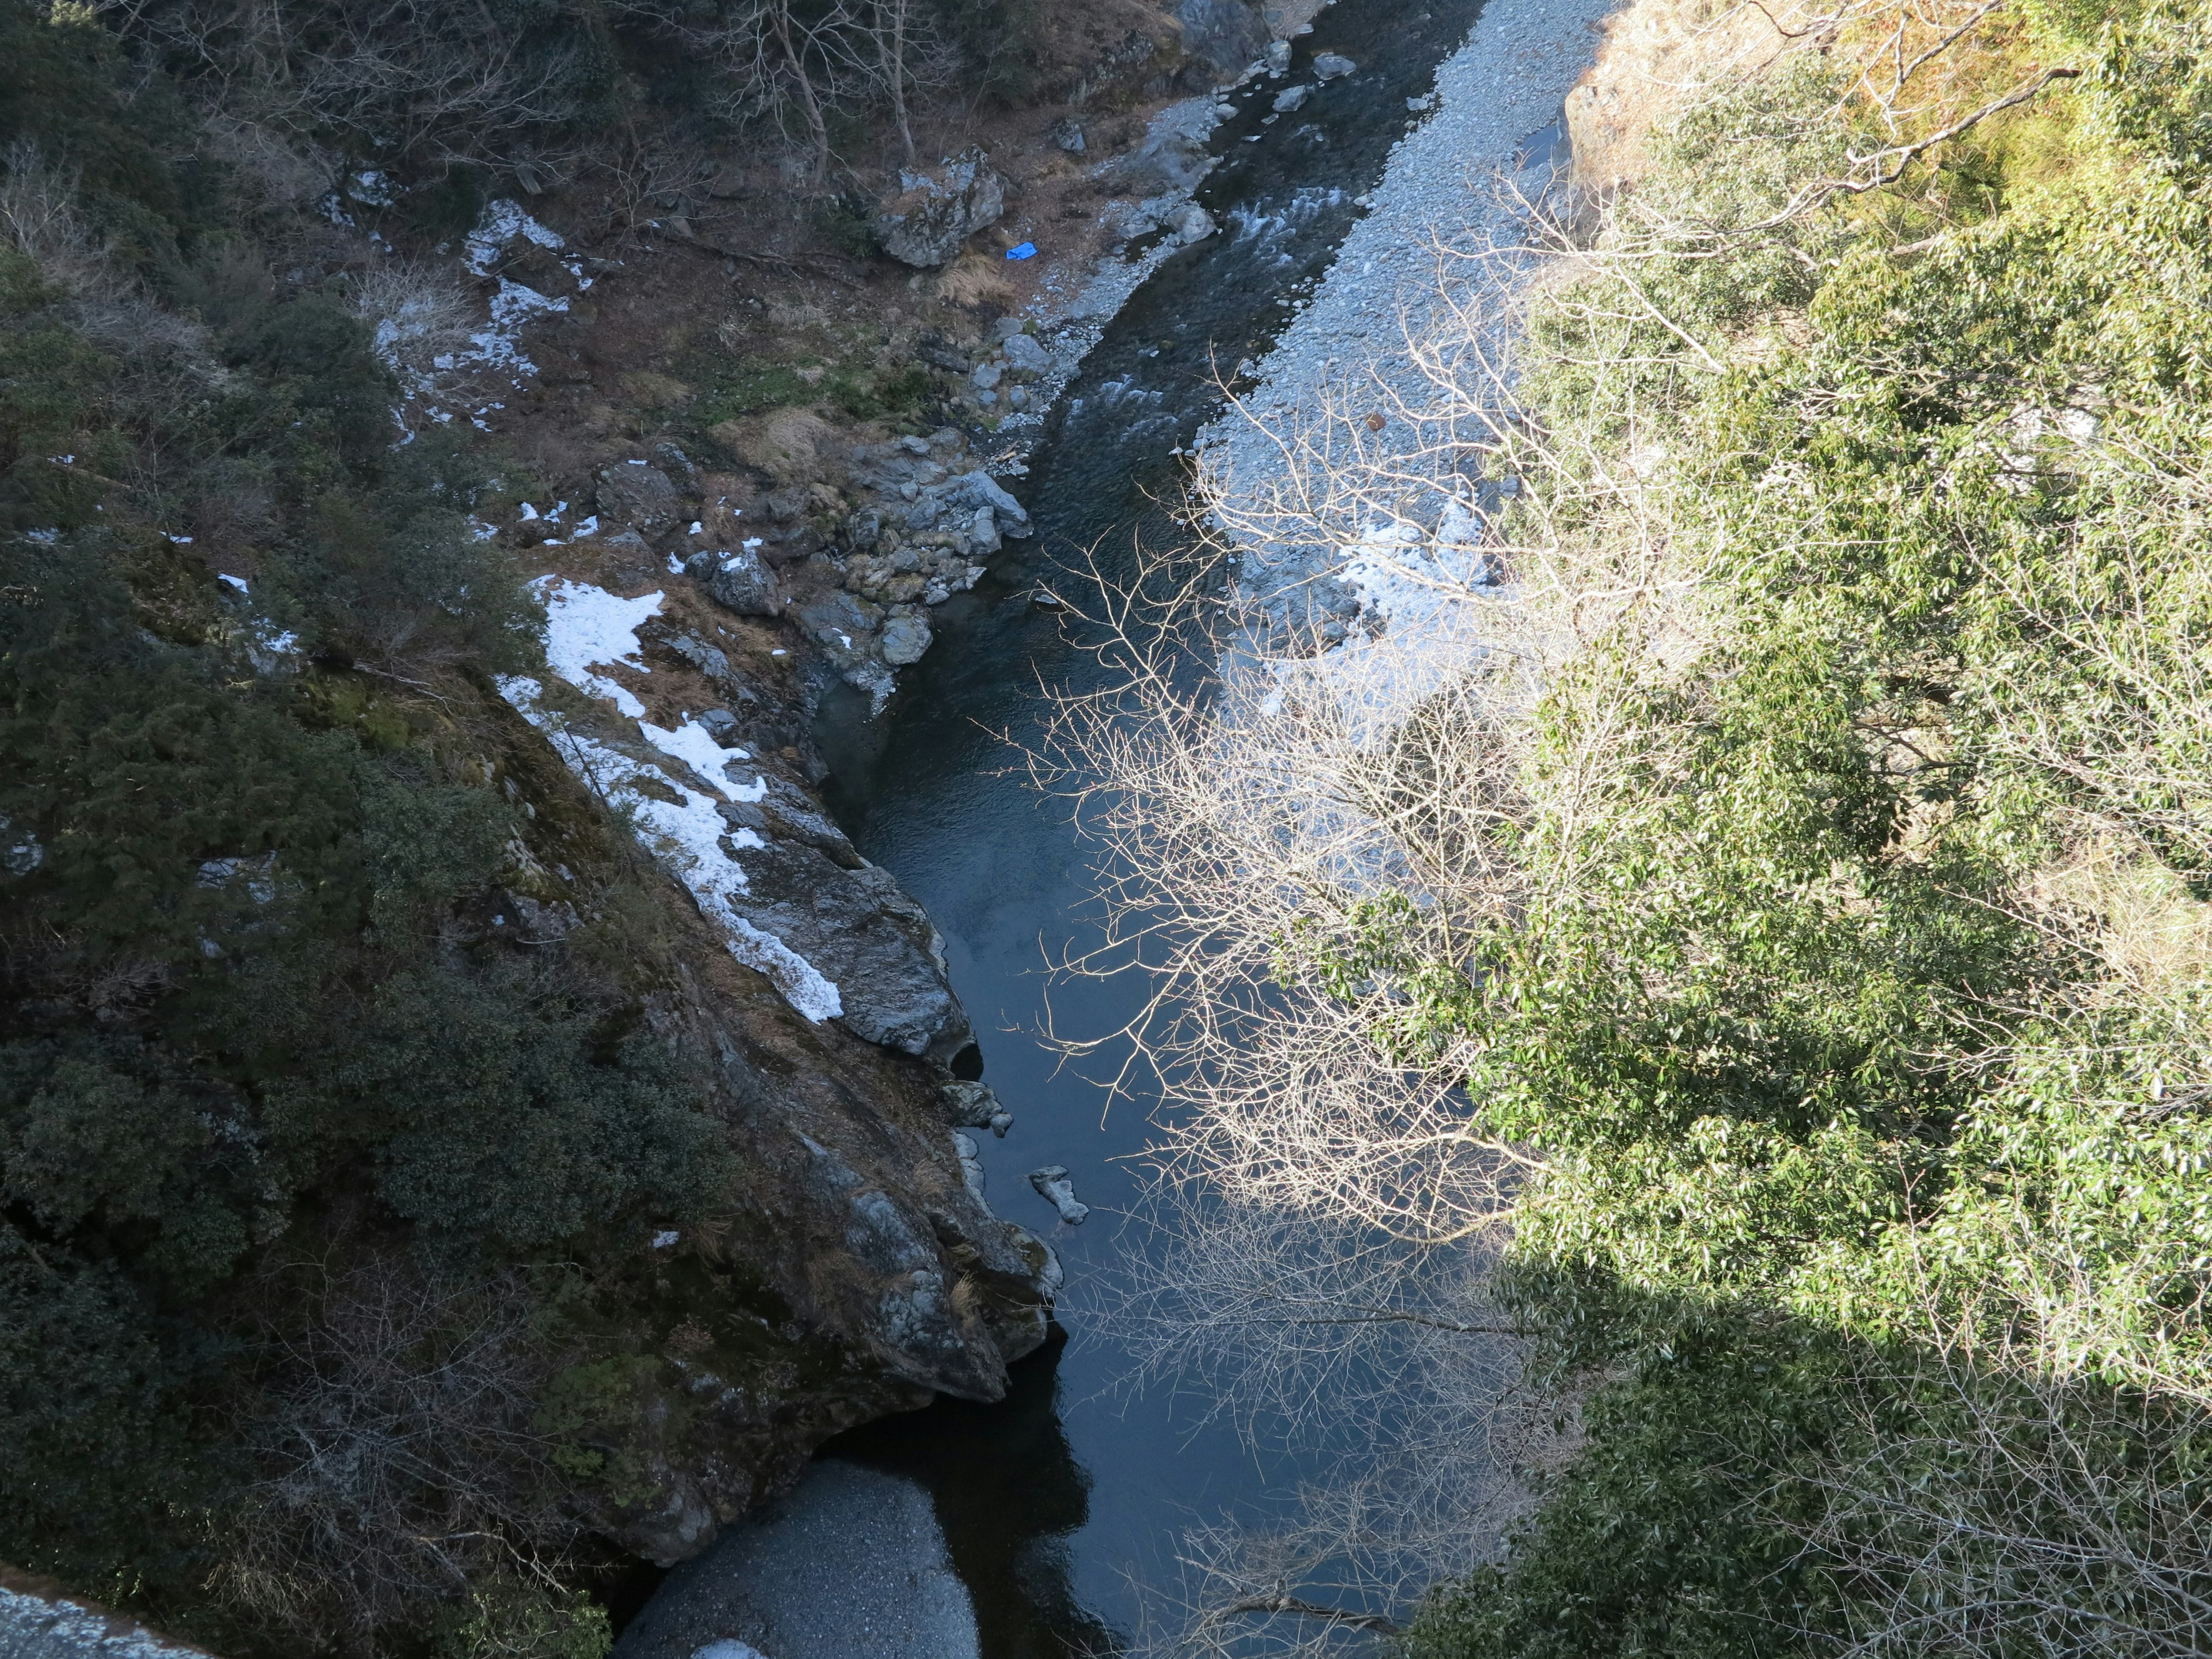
983 531
1067 133
971 1165
707 659
864 935
1195 225
1176 154
840 622
852 1565
1293 98
788 813
987 375
1226 33
680 469
938 209
1278 57
39 1626
1056 1189
1025 353
634 494
742 582
974 1106
971 491
722 724
905 638
1331 66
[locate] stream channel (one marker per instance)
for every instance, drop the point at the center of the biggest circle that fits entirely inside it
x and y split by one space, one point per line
1056 1504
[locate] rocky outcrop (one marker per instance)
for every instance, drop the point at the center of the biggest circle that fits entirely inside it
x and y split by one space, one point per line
1226 34
938 209
36 1621
853 923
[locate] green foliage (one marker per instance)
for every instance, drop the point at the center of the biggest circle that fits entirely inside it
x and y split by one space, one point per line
1860 980
747 386
257 1026
514 1619
900 394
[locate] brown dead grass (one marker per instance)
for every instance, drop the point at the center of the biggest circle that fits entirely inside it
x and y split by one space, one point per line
787 444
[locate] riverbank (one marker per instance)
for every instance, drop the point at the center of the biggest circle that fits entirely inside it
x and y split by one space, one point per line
1357 384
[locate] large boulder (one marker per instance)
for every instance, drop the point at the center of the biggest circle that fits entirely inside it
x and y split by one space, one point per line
938 209
967 493
867 937
906 636
739 581
637 494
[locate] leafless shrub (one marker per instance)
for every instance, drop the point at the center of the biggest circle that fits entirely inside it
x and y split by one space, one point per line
39 217
2010 1514
415 79
795 69
649 180
421 314
392 1433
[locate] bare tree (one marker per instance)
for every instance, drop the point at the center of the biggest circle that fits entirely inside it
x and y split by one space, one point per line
396 1460
412 79
1308 791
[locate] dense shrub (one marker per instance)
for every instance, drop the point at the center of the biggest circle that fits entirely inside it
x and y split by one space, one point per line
289 1134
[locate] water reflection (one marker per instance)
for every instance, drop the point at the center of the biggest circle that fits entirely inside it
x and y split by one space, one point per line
1009 1495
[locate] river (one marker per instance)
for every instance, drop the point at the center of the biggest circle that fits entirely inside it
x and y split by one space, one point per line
1057 1503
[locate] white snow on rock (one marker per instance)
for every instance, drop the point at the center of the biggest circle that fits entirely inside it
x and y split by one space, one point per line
692 744
587 626
502 222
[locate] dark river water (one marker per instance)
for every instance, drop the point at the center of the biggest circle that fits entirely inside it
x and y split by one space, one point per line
1056 1501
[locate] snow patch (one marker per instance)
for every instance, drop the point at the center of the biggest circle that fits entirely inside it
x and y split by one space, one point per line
693 744
688 836
586 625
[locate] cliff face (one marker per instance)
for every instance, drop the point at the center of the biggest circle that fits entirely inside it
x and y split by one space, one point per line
850 1269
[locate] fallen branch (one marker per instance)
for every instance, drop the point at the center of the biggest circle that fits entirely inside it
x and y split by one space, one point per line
1286 1603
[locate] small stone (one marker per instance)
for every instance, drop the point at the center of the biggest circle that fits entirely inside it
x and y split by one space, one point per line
915 446
1017 398
987 375
974 1106
1025 354
1053 1186
1195 225
1067 133
1278 57
721 725
1331 66
1292 98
